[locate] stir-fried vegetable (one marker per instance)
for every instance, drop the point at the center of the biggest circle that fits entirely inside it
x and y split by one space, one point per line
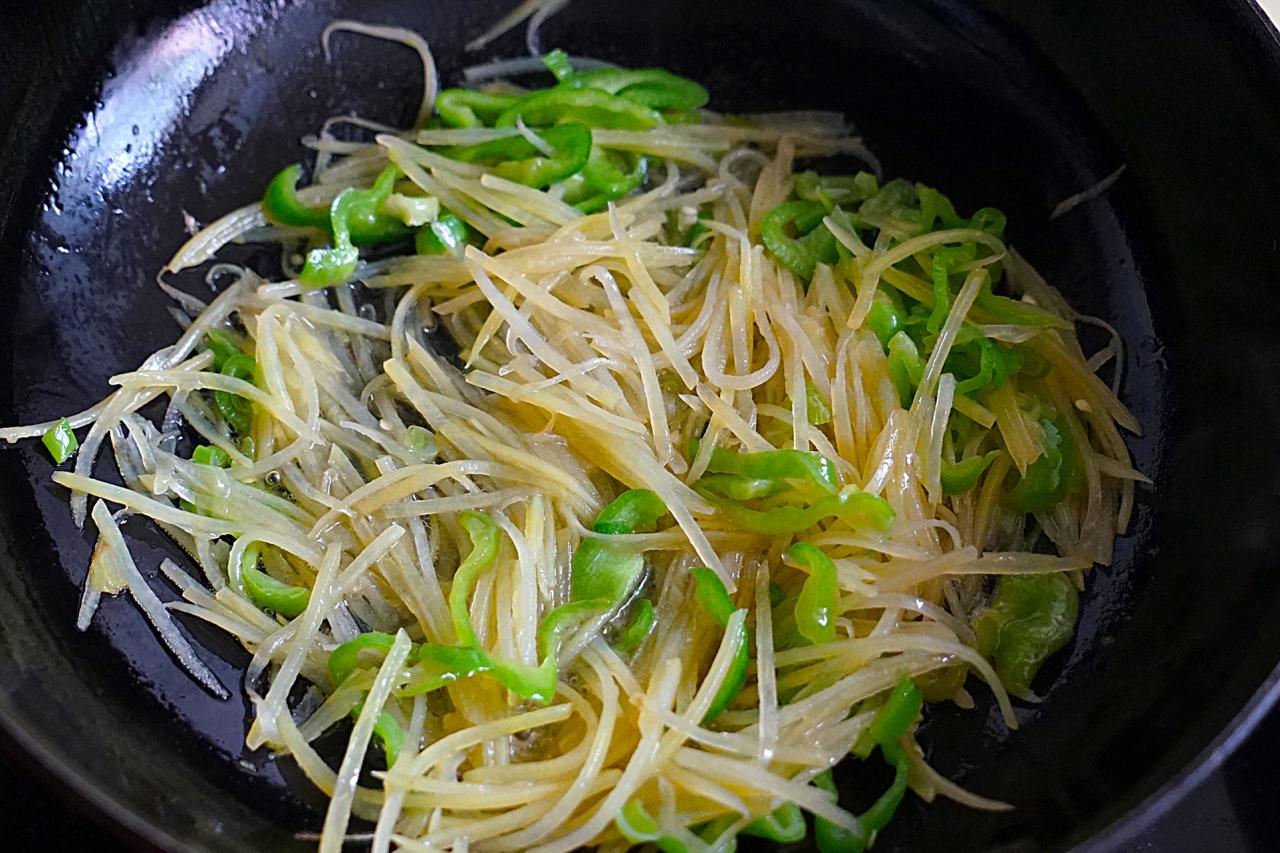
609 571
715 599
823 404
795 235
1050 477
485 539
516 159
816 607
353 214
893 720
1030 618
60 441
857 509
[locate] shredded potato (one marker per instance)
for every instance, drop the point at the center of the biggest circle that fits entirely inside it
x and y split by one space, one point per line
662 342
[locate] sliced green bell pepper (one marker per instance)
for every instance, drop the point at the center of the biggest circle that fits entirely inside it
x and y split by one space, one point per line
485 538
517 159
60 441
236 410
638 629
446 235
607 570
713 596
856 508
592 107
816 607
774 465
1030 618
960 477
811 244
1051 477
354 218
471 108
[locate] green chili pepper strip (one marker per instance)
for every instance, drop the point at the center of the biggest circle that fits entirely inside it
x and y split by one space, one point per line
446 235
893 720
485 538
895 206
354 219
359 209
345 659
442 665
516 159
606 172
813 243
881 812
816 408
900 709
1002 309
996 364
740 488
638 827
236 410
539 682
60 441
607 570
828 837
604 569
1048 479
592 107
326 267
638 629
633 511
207 454
713 596
946 261
655 88
906 367
989 219
386 730
858 509
960 477
267 592
608 175
224 347
454 662
636 824
898 714
277 596
819 597
471 108
785 825
1030 619
281 205
557 62
786 464
833 190
936 208
887 316
361 212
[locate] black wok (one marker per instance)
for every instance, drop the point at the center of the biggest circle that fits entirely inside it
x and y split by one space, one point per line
121 115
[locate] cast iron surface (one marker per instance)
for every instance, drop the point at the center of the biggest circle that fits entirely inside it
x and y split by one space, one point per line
130 114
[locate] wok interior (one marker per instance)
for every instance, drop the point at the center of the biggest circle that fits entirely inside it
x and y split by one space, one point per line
163 112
